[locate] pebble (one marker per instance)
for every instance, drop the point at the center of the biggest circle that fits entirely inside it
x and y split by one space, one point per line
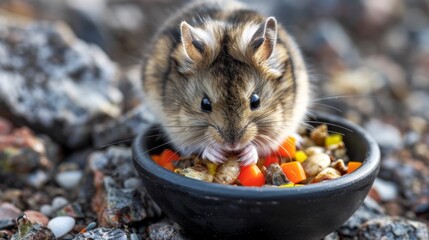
164 231
69 179
47 209
5 126
8 211
417 103
37 217
59 202
133 183
387 190
37 178
60 226
386 135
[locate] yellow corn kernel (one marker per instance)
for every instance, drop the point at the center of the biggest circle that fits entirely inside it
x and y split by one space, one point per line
287 185
299 185
333 139
300 156
211 167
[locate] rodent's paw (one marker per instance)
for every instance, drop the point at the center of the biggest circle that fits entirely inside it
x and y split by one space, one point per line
249 155
213 154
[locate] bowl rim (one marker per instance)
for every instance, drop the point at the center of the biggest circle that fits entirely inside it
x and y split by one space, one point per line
353 181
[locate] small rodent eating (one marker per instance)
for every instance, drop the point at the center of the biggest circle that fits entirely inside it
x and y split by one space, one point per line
223 79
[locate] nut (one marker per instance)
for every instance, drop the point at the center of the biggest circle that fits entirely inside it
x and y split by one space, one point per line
316 163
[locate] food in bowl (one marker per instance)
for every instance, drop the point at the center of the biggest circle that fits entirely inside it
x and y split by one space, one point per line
306 158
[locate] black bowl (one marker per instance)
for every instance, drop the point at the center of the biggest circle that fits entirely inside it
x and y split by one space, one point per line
215 211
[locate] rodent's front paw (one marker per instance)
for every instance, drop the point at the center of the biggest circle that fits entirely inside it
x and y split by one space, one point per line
213 154
249 155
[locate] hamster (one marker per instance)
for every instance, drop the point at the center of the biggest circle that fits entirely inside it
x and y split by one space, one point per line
223 79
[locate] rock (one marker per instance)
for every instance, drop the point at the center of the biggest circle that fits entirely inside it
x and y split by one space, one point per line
60 226
369 210
114 204
26 159
47 210
332 236
164 231
123 129
133 183
387 190
5 126
102 234
393 228
5 234
121 206
9 211
37 217
59 202
46 73
386 135
330 41
274 175
359 81
416 103
37 178
393 73
69 179
8 214
31 231
72 210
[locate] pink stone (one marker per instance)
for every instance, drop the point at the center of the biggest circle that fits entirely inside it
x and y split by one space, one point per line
37 217
9 211
5 126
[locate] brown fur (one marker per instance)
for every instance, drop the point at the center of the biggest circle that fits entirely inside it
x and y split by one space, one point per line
201 53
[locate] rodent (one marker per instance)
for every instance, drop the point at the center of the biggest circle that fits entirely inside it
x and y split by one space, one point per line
223 79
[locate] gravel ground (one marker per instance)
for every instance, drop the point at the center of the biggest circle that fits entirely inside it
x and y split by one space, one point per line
369 62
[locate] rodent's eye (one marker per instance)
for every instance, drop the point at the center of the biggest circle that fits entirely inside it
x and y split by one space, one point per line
206 105
254 101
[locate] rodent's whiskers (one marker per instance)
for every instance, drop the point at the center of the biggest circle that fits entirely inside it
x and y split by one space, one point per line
328 106
102 147
330 124
336 97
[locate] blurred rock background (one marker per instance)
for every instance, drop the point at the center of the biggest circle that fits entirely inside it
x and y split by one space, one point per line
69 83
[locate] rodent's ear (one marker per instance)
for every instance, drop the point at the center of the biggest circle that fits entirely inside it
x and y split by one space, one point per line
193 41
265 44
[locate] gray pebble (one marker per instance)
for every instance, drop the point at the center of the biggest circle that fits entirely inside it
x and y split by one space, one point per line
47 210
388 136
132 183
69 179
386 189
59 202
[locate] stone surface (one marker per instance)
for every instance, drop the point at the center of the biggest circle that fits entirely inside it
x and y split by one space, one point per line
123 129
393 228
51 80
164 231
369 210
102 234
114 204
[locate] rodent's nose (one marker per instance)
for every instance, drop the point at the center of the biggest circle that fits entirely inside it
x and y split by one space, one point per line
232 146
